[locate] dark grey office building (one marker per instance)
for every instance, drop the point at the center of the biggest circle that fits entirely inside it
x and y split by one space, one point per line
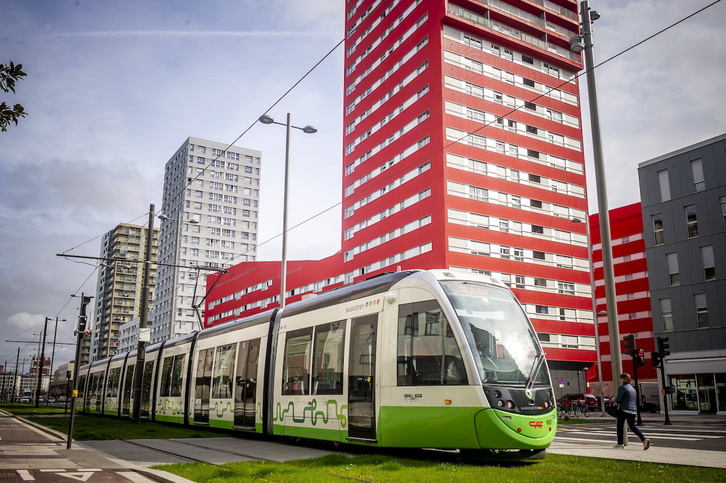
683 195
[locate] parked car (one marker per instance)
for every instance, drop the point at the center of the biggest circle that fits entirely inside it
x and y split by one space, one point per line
569 400
24 399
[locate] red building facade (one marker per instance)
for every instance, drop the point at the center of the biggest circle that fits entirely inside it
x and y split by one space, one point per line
632 292
463 150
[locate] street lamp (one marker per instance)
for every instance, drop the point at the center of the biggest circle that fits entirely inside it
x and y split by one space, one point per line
177 249
52 354
265 119
583 43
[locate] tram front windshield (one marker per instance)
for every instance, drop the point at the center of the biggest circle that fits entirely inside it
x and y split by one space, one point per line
499 333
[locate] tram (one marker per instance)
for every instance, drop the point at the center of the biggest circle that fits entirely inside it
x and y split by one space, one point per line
412 359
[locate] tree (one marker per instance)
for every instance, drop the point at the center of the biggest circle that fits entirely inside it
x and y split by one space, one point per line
9 75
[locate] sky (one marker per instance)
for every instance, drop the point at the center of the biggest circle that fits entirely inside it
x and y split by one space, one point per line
115 87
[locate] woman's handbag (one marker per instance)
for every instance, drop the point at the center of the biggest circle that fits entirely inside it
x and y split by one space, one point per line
612 410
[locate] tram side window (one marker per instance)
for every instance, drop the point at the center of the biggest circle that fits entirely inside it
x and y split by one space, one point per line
428 354
223 372
166 371
177 375
296 362
328 356
114 377
171 376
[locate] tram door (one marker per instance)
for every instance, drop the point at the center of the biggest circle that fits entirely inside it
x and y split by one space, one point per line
202 385
361 378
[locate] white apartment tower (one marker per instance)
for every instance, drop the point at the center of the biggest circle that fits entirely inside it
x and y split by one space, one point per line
208 218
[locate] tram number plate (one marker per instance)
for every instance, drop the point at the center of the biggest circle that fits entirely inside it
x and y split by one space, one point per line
413 398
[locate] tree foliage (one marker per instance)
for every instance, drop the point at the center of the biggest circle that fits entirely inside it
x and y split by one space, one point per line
9 75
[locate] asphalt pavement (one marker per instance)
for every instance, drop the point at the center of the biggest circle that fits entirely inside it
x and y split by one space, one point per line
35 453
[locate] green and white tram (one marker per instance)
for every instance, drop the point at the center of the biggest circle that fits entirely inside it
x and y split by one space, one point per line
414 359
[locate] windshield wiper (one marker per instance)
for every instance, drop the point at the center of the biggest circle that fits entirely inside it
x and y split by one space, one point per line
539 359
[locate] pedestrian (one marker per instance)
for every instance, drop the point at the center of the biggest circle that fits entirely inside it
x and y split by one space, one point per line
626 401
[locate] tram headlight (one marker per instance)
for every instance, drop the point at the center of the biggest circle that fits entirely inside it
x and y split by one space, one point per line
500 403
497 394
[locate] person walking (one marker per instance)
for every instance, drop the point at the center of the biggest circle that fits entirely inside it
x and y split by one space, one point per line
626 401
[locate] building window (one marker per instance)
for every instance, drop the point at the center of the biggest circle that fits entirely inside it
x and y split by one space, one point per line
665 186
566 288
538 255
699 184
540 282
542 309
709 267
658 233
691 221
666 314
701 309
723 210
673 274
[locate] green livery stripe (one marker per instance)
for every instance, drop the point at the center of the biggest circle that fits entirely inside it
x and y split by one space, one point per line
428 427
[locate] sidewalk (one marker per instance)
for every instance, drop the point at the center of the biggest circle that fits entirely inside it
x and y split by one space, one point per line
656 454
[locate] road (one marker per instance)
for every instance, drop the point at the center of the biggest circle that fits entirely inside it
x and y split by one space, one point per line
686 436
27 454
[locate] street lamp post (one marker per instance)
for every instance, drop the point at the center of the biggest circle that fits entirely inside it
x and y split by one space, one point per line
82 318
143 319
265 119
52 354
40 363
584 44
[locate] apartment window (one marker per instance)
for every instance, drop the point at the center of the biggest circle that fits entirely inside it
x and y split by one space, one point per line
658 228
566 288
538 255
542 309
723 210
699 184
709 267
665 186
535 203
540 282
666 314
538 229
691 221
672 261
701 309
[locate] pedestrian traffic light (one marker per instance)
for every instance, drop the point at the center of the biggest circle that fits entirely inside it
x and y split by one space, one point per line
639 358
663 347
629 345
656 359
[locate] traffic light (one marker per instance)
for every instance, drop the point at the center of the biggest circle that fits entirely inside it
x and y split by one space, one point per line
639 358
663 347
656 359
629 345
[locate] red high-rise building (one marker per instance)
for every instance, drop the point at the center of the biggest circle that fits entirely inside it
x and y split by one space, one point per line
462 149
632 293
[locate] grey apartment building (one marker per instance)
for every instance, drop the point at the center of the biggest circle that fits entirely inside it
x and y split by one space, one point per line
119 287
208 218
683 196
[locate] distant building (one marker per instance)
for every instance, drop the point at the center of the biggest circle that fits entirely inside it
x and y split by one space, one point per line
35 365
684 212
119 286
210 208
128 336
632 295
